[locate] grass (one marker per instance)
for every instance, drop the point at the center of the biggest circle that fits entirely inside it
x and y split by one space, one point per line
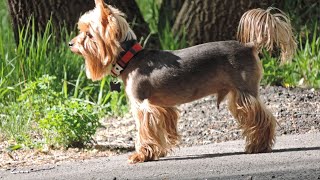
40 75
304 71
45 97
150 12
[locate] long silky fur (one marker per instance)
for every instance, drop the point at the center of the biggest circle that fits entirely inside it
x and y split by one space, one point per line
256 121
109 28
157 130
267 29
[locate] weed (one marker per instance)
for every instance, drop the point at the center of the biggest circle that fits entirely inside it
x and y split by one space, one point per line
304 71
45 113
150 12
171 42
70 123
42 83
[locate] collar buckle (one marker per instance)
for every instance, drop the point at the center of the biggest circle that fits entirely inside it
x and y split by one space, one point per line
116 70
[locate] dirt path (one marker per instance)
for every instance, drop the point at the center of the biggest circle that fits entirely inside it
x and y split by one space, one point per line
201 123
294 157
297 111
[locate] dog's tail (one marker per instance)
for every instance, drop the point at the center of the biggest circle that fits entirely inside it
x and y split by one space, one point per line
266 30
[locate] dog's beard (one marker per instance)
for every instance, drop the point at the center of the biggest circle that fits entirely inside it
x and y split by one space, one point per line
96 59
88 74
93 75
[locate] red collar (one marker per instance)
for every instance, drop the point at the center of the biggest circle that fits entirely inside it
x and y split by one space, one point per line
125 59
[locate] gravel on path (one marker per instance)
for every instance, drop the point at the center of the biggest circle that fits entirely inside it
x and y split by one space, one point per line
296 110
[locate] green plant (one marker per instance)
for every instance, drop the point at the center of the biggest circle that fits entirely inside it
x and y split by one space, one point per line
304 71
20 116
40 74
99 93
16 123
70 123
304 14
150 12
308 60
42 111
62 121
169 41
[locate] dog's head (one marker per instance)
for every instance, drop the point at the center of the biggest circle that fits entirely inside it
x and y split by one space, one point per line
101 31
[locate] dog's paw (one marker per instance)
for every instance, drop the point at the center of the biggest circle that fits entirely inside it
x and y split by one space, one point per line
258 149
136 158
139 157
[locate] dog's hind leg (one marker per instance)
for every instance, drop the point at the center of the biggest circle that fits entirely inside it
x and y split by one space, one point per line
157 132
257 123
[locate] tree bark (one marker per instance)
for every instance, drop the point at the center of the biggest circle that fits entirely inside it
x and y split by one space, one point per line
169 10
212 20
134 17
61 12
65 13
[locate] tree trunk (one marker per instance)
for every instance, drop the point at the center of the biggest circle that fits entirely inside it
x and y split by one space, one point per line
65 13
62 13
169 10
212 20
134 17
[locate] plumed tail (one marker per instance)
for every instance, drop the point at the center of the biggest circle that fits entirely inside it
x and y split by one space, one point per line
267 30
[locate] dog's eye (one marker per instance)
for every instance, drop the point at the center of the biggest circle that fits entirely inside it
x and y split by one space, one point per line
88 35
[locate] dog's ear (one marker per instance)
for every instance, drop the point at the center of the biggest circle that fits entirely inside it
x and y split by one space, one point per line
104 10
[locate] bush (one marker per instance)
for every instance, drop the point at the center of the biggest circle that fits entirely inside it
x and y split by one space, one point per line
28 97
304 69
70 123
60 120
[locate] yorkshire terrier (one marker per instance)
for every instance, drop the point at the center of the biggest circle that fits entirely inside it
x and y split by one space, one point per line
156 81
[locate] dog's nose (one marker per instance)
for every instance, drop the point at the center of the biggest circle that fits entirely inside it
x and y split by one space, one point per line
71 44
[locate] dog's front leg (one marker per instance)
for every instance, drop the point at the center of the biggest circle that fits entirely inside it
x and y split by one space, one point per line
157 131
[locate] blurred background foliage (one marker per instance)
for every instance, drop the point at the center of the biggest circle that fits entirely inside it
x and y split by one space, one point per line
45 98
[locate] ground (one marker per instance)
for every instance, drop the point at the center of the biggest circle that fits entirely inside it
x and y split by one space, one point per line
297 111
294 157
